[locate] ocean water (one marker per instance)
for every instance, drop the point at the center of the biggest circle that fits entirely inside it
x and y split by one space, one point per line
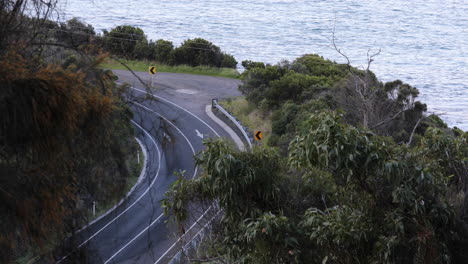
422 42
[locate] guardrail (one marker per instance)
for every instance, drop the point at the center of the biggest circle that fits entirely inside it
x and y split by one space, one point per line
214 104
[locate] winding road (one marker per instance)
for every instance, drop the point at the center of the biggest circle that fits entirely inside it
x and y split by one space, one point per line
171 123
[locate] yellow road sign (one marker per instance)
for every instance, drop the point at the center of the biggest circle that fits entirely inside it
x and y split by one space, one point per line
258 135
152 69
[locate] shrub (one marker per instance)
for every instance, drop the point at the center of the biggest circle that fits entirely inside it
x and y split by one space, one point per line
195 52
121 41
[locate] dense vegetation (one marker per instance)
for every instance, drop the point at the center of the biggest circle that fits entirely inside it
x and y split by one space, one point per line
65 131
131 43
356 172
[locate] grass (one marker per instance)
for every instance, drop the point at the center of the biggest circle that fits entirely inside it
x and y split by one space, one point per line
198 70
249 115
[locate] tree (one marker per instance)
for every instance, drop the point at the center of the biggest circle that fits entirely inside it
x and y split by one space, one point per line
198 51
142 50
162 51
256 81
248 64
121 40
64 130
377 104
228 61
75 33
346 196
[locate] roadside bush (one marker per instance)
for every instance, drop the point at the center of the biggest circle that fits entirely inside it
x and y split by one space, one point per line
248 64
75 33
121 41
198 51
162 51
228 61
282 118
142 50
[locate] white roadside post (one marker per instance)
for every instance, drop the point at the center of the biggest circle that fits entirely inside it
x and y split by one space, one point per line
152 72
94 208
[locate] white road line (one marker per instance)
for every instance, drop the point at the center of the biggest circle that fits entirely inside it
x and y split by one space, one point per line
172 124
161 215
176 105
212 129
139 198
199 231
140 178
175 243
133 239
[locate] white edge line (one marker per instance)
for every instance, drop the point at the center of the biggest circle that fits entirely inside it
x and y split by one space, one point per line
199 231
173 245
229 130
139 198
240 145
167 101
178 130
140 179
165 253
133 239
194 174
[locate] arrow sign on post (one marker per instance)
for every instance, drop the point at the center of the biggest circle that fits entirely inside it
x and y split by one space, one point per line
198 133
258 135
152 72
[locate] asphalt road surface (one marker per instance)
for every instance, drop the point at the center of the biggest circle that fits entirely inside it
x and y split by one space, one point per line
171 124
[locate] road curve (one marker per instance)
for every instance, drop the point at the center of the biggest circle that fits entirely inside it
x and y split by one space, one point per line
171 125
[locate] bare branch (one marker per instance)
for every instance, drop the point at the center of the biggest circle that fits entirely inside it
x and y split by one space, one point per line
389 119
148 89
370 58
414 130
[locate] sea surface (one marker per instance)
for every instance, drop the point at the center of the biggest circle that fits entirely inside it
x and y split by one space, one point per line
422 42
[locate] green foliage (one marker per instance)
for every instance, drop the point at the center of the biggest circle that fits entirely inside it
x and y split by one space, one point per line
141 50
272 237
228 61
122 40
243 182
256 81
131 43
338 231
315 65
75 33
282 118
198 51
401 183
65 132
388 109
248 64
289 87
162 51
178 196
347 196
301 80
